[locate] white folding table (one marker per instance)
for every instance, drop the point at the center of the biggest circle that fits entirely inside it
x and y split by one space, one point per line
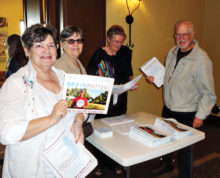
127 151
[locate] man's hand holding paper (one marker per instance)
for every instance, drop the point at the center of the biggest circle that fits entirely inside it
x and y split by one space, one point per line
154 68
149 79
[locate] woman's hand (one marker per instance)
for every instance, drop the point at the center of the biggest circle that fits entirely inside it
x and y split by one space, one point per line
39 125
136 84
76 128
134 87
59 111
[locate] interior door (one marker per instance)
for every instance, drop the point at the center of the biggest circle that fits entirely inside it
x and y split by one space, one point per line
89 16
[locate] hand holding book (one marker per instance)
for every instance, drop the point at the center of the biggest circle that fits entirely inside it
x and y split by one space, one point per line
149 79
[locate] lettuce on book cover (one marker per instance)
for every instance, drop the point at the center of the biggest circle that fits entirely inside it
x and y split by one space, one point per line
87 93
149 135
172 126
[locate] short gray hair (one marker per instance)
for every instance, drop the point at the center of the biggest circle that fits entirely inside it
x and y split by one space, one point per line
115 30
188 22
38 33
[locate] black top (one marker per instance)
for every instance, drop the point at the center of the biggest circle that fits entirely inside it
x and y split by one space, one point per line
118 67
12 68
181 55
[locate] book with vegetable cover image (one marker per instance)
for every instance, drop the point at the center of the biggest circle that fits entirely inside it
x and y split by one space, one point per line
87 93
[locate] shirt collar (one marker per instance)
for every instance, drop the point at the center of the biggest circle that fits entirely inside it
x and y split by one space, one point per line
192 54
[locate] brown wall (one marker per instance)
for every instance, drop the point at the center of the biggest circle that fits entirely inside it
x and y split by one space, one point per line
13 11
211 39
152 34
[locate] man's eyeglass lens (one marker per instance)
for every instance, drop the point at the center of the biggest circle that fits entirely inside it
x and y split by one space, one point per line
184 35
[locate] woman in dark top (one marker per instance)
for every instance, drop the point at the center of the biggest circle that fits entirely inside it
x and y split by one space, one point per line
112 60
16 55
115 66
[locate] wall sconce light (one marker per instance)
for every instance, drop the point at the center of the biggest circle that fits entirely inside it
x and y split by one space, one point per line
22 26
129 19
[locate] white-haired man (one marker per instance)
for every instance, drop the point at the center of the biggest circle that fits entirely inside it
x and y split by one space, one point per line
188 92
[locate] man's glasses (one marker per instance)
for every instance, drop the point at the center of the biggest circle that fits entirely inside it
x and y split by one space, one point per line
72 41
183 35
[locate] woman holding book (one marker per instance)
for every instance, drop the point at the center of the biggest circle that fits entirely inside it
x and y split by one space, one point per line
114 61
33 113
71 41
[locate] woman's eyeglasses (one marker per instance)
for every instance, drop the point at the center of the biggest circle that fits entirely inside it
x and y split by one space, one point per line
72 41
43 46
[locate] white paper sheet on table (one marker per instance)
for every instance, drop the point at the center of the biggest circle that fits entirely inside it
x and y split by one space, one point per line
124 129
149 135
117 120
172 126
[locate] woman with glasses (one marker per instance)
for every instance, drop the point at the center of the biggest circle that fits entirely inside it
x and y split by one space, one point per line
33 114
114 61
71 41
